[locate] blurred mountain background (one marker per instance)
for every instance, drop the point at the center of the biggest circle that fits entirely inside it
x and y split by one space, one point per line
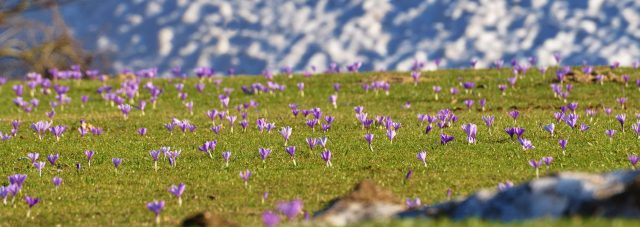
253 35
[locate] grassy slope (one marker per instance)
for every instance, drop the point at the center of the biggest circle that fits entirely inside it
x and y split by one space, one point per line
97 195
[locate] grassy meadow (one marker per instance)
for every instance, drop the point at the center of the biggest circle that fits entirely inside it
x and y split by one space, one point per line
97 194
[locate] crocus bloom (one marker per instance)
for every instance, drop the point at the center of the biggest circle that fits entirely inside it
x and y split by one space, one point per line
286 133
391 134
470 130
312 124
31 201
52 158
270 219
422 156
142 131
57 181
154 156
563 145
57 131
291 209
326 156
39 166
333 100
550 128
536 165
33 157
89 155
633 159
408 175
116 162
291 150
547 161
514 114
526 144
125 109
41 127
245 175
413 203
610 133
156 207
488 120
264 153
226 155
444 139
177 191
311 142
621 118
208 147
369 138
322 141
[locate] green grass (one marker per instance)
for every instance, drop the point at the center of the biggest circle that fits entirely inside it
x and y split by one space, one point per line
97 195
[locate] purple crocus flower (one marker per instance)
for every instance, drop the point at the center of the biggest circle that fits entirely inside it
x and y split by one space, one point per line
369 138
89 154
413 203
408 176
504 186
291 150
550 128
156 207
322 141
488 120
563 145
436 91
39 166
311 142
57 181
391 134
536 165
610 133
291 209
312 124
142 131
41 127
270 219
286 133
57 131
116 162
633 159
177 191
444 139
33 157
502 88
584 127
154 155
572 120
125 109
547 161
226 155
209 147
468 103
245 175
514 114
264 153
326 156
31 201
471 130
422 156
526 144
52 158
621 118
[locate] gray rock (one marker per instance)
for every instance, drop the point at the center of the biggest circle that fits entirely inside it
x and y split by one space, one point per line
608 195
568 194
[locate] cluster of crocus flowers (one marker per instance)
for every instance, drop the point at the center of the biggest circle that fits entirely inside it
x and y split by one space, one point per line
41 127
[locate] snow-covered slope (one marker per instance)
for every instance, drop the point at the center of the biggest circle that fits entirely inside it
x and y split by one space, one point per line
252 35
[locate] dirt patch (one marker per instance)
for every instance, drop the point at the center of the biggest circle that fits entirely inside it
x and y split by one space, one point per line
207 219
580 77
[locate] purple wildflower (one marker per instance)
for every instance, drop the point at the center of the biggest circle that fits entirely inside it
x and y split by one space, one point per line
177 191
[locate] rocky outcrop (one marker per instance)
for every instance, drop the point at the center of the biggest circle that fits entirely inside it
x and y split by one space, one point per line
615 194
